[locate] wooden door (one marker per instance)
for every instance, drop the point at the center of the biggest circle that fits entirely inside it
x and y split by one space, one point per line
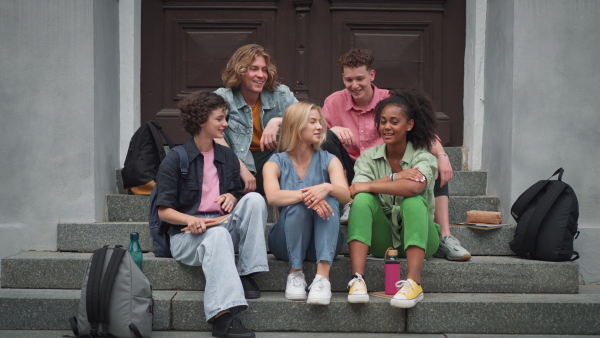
186 44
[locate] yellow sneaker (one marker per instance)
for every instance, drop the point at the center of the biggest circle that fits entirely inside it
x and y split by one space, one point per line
358 290
408 295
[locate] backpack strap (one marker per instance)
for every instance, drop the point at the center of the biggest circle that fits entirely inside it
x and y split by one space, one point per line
183 160
107 285
135 330
520 204
92 293
538 215
157 131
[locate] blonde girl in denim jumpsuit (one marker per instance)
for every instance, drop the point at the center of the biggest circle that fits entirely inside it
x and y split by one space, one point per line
307 184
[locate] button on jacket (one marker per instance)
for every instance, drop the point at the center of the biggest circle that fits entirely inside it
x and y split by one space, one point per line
183 193
238 134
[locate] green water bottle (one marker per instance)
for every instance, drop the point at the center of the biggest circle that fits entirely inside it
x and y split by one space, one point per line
135 250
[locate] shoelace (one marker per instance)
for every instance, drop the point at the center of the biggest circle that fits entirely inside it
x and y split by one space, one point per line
450 240
404 286
355 279
298 280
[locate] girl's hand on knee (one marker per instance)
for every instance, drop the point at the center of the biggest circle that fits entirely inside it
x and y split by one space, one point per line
359 187
197 225
311 196
323 209
227 202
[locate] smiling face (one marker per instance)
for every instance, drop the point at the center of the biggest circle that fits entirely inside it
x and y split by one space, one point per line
311 133
215 126
358 83
393 125
256 75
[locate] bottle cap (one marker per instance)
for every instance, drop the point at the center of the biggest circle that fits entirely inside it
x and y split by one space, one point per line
134 236
392 252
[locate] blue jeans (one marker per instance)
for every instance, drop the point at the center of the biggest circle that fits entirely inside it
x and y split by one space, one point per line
215 251
299 234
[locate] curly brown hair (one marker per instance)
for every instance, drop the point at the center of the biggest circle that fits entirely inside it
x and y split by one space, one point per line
196 108
417 106
238 65
355 58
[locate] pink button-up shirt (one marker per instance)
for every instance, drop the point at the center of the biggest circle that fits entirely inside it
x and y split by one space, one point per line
341 111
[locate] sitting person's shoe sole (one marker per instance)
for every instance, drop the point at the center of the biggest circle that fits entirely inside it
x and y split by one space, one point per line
233 328
408 295
358 291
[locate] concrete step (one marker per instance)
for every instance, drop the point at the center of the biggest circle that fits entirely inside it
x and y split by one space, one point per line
134 208
87 237
494 313
50 309
285 334
454 153
489 274
263 334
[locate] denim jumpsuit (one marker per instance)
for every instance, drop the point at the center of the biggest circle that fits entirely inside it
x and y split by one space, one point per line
299 233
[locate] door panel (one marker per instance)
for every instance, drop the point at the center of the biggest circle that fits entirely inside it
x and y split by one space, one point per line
186 45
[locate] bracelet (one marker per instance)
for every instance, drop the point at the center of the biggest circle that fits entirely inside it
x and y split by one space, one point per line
392 177
442 155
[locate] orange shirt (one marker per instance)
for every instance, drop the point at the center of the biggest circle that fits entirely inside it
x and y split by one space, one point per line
256 127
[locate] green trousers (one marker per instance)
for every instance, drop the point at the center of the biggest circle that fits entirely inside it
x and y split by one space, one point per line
368 224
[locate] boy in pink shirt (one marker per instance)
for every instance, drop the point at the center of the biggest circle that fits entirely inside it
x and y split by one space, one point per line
351 131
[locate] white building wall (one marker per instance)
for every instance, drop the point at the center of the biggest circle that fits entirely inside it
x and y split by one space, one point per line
130 36
59 101
542 106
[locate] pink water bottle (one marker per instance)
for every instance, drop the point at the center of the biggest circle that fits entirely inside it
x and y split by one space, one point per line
392 271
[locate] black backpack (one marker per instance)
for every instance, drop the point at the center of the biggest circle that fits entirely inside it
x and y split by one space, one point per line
546 216
158 228
116 298
143 158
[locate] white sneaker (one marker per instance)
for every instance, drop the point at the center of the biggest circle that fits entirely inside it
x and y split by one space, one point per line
451 249
345 213
320 291
358 290
296 286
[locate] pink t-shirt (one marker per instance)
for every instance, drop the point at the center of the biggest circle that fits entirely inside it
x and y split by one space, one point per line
210 184
341 111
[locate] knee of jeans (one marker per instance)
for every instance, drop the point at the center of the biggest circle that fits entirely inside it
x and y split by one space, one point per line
254 201
218 234
413 203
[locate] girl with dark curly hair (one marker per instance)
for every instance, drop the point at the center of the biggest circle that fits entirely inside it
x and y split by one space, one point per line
210 189
393 195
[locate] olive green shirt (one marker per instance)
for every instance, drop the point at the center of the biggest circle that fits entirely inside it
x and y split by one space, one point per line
373 165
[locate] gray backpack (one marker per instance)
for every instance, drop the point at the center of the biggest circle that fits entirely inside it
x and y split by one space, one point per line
116 298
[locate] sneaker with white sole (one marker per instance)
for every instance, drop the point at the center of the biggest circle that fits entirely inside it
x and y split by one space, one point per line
296 286
451 249
408 295
345 213
320 291
358 290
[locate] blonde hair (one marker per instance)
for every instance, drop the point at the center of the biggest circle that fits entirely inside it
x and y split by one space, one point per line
238 64
295 119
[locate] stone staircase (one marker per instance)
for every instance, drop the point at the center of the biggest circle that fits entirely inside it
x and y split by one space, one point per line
493 293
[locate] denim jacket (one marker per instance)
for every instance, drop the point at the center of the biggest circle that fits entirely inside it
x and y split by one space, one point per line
238 134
